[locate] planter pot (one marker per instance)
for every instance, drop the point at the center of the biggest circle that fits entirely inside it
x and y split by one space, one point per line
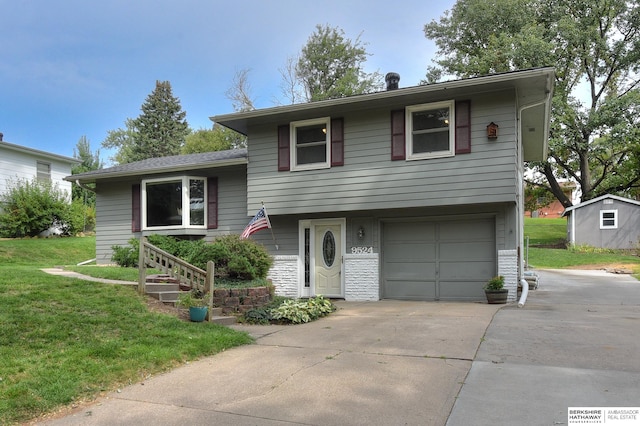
496 296
197 314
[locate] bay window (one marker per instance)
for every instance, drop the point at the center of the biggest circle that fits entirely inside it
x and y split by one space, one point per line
171 203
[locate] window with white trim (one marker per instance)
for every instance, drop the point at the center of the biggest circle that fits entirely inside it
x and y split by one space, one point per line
311 144
430 130
172 203
43 171
608 219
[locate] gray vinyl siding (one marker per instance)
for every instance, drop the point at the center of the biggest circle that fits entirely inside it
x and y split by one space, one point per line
113 218
113 210
285 228
369 180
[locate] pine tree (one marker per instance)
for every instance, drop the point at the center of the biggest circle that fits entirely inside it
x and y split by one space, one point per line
161 128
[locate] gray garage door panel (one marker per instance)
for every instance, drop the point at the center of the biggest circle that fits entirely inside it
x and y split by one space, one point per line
445 260
411 290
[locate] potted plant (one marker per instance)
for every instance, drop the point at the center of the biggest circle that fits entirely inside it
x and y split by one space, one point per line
196 302
495 291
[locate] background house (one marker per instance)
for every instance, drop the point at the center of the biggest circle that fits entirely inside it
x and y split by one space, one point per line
607 221
19 162
555 209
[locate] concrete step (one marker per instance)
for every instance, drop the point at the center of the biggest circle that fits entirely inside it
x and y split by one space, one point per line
224 320
153 287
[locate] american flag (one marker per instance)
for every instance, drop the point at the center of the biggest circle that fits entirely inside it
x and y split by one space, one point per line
260 221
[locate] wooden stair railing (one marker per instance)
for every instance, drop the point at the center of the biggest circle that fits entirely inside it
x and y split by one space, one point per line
188 275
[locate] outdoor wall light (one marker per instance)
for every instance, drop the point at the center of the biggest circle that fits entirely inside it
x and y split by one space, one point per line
361 233
492 131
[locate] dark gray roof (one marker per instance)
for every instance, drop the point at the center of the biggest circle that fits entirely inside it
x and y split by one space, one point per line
174 163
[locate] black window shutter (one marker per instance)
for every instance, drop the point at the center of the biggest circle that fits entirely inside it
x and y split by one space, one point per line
283 148
337 142
398 151
136 217
212 203
463 127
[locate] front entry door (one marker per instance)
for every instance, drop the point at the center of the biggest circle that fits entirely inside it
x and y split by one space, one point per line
328 259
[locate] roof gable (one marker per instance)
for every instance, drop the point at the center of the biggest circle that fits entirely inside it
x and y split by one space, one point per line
598 199
38 153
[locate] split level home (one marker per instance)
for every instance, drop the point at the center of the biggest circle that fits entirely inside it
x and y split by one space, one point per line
409 193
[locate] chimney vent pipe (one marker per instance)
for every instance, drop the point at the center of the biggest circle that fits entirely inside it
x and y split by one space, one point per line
392 79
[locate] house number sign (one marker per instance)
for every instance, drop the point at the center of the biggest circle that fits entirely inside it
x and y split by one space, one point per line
361 250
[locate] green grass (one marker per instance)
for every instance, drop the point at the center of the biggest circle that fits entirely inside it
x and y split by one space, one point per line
548 232
551 232
64 340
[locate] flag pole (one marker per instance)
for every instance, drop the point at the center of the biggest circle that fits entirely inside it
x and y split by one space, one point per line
270 228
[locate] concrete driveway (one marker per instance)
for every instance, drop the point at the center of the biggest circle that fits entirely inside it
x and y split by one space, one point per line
369 363
576 343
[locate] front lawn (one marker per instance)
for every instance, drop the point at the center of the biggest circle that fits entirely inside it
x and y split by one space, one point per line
65 340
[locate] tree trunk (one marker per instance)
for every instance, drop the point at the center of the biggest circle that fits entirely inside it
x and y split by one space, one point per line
554 186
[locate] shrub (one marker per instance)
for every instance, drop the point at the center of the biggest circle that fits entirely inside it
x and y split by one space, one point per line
28 208
82 218
495 283
184 249
303 311
262 315
127 256
234 258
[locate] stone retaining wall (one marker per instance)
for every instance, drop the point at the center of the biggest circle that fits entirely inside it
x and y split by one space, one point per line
240 300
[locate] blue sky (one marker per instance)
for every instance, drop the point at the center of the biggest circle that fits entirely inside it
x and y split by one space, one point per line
73 68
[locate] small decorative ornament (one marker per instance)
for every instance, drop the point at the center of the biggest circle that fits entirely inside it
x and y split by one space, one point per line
492 131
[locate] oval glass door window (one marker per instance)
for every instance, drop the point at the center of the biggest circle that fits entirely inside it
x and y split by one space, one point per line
329 248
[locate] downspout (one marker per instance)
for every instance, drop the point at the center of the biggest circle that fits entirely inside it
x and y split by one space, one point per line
523 282
81 185
525 292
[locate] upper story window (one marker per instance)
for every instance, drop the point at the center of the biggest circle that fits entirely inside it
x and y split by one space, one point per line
608 219
177 202
430 130
310 144
43 171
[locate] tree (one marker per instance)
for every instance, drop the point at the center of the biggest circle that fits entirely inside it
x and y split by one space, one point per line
240 92
331 66
217 139
160 130
89 162
122 140
594 46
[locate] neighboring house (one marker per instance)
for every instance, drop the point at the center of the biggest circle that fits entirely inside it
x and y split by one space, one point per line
555 209
22 163
607 221
399 194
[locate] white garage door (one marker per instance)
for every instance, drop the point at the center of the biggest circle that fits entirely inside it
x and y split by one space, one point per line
438 260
